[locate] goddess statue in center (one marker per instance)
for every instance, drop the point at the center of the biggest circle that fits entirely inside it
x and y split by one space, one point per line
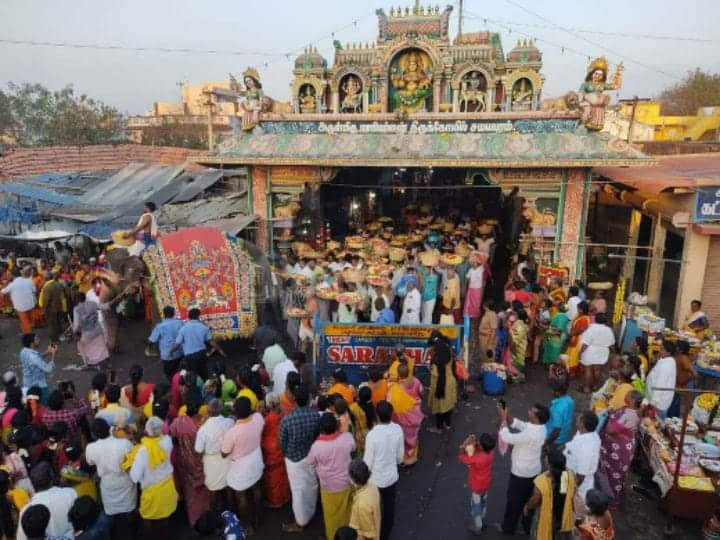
593 100
411 78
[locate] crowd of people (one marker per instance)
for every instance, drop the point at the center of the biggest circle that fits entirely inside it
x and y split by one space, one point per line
224 441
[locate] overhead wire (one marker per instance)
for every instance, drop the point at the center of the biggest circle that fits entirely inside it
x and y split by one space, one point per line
601 46
661 37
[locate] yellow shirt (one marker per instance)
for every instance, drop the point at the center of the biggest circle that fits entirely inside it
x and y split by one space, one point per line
365 512
393 369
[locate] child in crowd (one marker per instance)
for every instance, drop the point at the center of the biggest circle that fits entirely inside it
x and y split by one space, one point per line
216 525
478 456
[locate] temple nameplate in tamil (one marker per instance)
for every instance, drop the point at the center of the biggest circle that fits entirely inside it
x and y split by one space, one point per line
421 127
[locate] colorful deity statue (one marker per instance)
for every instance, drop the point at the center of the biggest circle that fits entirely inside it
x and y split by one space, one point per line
352 100
411 78
253 95
307 101
593 100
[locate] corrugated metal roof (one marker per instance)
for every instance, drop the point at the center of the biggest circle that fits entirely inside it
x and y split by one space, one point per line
135 183
196 185
38 193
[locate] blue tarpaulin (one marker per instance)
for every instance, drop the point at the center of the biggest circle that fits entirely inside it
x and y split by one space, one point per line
38 194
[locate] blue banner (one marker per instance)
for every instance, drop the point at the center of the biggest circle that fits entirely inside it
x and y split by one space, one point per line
707 204
355 347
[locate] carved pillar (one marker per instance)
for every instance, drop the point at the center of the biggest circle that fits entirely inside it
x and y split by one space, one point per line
455 100
260 182
574 219
335 103
490 99
535 100
296 105
436 95
365 102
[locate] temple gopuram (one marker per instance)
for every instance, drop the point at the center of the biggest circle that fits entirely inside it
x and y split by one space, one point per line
419 119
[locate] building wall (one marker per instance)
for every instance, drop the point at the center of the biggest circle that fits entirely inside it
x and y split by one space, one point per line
650 124
692 272
711 285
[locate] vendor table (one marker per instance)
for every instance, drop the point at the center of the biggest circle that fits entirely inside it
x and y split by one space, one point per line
705 373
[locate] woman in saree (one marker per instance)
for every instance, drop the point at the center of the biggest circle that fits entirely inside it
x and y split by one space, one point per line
556 335
514 357
275 478
443 383
487 330
189 471
405 397
135 395
578 326
618 447
557 293
553 496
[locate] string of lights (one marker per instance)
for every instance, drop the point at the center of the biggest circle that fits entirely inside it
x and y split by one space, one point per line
594 43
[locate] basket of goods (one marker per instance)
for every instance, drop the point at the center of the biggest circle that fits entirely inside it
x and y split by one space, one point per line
378 281
703 406
350 298
355 242
296 313
451 259
312 254
385 219
424 221
300 279
493 379
429 258
449 227
397 254
353 275
123 238
379 247
426 208
485 228
326 293
436 226
463 250
600 285
387 236
300 247
414 238
332 245
374 226
381 269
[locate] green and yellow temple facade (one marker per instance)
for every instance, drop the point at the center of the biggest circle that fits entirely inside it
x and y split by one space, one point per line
417 99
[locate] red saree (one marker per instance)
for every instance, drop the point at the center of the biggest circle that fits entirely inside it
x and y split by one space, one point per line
277 487
189 473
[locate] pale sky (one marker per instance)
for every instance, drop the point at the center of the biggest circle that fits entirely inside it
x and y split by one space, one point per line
133 80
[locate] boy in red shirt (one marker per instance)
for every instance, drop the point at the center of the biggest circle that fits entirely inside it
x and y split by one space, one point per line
478 456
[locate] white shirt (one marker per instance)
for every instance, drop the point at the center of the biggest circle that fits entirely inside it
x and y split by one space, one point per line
141 471
280 373
572 310
475 277
583 455
337 266
411 308
526 455
662 375
598 338
374 313
58 501
210 435
308 273
22 293
119 493
384 450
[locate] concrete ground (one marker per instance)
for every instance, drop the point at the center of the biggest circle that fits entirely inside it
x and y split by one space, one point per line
432 496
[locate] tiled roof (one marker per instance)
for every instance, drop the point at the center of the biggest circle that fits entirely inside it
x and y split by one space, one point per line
19 163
